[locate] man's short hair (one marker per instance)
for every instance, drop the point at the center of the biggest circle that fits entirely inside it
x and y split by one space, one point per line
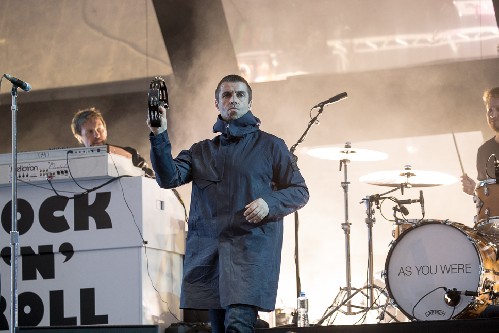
488 94
234 78
81 117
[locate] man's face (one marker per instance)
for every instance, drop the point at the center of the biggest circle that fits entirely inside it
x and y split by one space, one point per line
233 100
93 133
493 114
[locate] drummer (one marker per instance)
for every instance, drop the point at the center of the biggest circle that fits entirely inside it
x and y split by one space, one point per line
486 168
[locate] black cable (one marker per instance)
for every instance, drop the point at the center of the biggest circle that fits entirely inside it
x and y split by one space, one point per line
375 302
44 188
69 169
424 296
144 243
89 190
80 194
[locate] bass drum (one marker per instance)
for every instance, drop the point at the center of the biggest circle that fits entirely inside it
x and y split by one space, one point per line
433 256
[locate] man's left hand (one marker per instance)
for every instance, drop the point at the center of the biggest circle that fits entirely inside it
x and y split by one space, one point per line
256 211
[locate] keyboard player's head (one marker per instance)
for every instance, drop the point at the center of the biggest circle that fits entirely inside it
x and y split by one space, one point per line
89 127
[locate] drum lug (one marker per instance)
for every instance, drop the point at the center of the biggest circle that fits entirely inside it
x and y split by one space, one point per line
479 204
488 285
486 190
383 274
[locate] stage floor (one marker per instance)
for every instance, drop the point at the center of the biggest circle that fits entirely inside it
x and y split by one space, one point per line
447 326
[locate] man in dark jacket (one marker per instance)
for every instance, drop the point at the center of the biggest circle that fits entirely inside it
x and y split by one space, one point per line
244 181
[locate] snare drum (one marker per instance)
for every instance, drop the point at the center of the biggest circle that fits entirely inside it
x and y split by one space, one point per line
432 256
487 206
401 226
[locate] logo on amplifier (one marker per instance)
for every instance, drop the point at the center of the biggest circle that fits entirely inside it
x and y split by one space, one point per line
26 168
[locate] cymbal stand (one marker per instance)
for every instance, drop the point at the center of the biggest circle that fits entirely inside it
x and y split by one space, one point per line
346 229
371 286
370 220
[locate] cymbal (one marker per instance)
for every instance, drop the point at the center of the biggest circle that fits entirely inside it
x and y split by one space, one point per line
346 153
412 178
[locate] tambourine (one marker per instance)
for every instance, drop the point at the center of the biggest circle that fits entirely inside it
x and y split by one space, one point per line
156 97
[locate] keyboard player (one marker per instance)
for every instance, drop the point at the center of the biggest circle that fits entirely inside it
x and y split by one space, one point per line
89 128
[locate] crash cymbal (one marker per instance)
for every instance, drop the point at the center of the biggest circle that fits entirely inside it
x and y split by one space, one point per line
346 153
411 178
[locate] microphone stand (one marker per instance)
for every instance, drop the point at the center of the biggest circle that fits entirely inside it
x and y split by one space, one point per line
14 234
312 121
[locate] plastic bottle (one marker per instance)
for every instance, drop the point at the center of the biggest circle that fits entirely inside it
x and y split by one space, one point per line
302 311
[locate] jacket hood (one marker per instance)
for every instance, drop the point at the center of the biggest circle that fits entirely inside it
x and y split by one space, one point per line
248 123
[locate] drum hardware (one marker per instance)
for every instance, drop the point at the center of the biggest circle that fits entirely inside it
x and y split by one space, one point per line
368 290
401 223
489 285
452 296
370 220
345 155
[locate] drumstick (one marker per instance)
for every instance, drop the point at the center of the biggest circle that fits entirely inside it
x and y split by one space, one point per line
458 155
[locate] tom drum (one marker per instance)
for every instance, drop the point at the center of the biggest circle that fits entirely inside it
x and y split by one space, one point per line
487 206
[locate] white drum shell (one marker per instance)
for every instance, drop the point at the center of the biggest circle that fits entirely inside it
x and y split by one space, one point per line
432 256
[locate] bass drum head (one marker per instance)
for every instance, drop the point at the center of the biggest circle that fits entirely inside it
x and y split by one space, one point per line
426 259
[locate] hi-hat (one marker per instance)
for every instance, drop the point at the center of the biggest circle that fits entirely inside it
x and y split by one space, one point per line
346 153
408 177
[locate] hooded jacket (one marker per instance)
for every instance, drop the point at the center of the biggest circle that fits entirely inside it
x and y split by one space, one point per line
229 260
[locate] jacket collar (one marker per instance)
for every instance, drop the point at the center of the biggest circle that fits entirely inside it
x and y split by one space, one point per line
237 128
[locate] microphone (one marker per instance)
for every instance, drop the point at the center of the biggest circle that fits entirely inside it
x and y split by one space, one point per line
407 202
18 83
421 201
332 100
452 297
403 209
